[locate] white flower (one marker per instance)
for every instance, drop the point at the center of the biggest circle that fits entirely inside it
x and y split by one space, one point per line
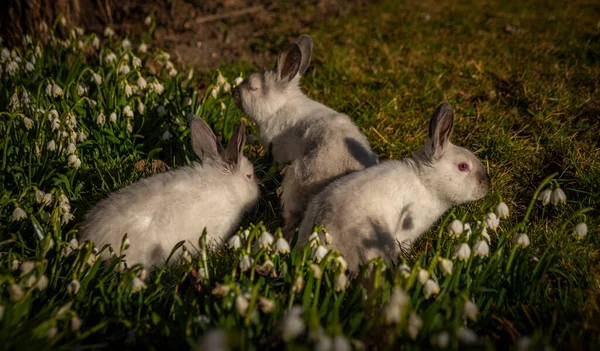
470 310
127 90
320 253
423 276
39 196
522 240
148 20
137 285
49 89
15 292
96 42
126 44
558 196
265 240
455 227
317 272
29 67
109 32
56 90
441 339
97 78
166 135
74 287
214 93
127 111
19 214
298 284
492 221
446 266
545 196
143 48
481 249
266 305
431 288
71 148
81 89
75 323
157 87
281 246
172 72
42 283
51 145
415 323
241 305
129 127
245 234
187 101
221 290
100 119
580 230
405 270
5 54
341 263
74 161
26 267
341 343
27 123
52 333
341 282
486 235
246 263
47 199
502 210
238 81
110 58
185 256
12 67
141 82
124 69
462 251
161 110
141 108
136 62
235 242
293 324
226 87
466 335
113 117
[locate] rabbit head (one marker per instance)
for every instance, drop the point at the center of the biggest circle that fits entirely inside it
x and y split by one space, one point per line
262 94
454 174
229 160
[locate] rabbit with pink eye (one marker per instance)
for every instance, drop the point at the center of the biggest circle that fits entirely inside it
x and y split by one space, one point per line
162 210
319 144
369 213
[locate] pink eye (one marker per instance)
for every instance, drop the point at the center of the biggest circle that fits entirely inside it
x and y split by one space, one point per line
463 167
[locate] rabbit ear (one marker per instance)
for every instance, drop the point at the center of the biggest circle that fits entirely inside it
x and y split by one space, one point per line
305 44
233 152
204 141
288 62
440 128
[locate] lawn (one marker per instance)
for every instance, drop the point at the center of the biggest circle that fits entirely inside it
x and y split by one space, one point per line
85 114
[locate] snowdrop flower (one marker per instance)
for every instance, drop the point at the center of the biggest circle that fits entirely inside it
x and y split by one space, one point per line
462 251
431 288
19 214
446 266
126 44
265 240
109 32
558 196
29 67
188 101
75 323
481 249
341 263
100 119
226 87
281 246
96 42
405 270
545 196
161 110
246 263
148 20
74 161
455 228
298 284
221 290
185 256
74 287
157 87
320 253
14 265
441 339
113 117
49 89
15 292
423 276
265 268
166 135
470 310
97 78
5 54
81 89
293 324
64 204
129 127
238 81
522 240
141 82
12 67
266 305
51 145
136 62
127 90
143 48
110 58
137 285
214 93
172 72
127 111
26 267
466 335
492 221
27 123
317 272
39 196
415 323
580 230
71 149
341 343
235 242
52 333
486 235
124 69
42 283
141 108
56 90
341 282
502 210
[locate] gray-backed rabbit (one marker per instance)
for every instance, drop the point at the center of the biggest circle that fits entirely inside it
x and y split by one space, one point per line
320 144
368 213
159 211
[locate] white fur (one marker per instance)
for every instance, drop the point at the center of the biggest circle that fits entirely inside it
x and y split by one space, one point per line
368 213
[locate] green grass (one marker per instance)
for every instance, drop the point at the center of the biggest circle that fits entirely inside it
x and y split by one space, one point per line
526 100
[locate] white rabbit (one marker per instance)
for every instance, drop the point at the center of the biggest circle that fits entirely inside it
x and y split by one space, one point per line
159 211
369 213
320 144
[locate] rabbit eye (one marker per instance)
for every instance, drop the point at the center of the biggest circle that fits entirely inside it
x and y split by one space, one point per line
253 88
463 167
249 176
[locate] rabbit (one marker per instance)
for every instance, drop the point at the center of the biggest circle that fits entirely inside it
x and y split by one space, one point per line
319 144
368 213
158 212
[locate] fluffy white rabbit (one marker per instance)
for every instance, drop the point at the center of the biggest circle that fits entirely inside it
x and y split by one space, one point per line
320 144
369 213
159 211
